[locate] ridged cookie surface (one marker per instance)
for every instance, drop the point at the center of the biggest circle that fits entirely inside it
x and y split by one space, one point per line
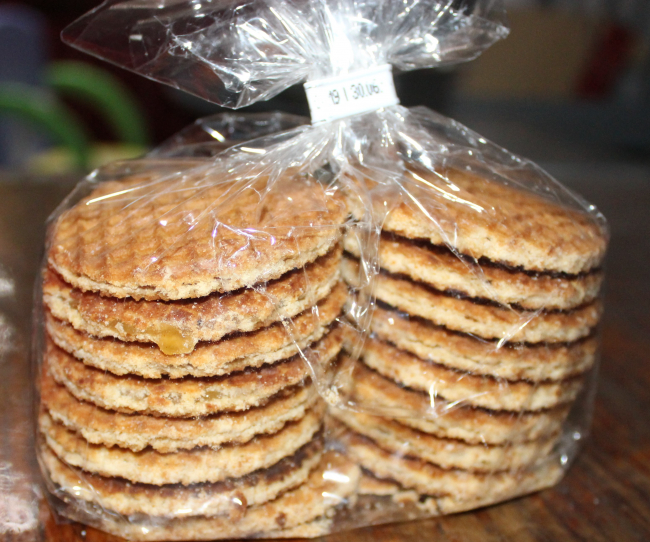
416 505
190 396
483 218
186 466
459 485
176 326
231 497
179 237
446 453
445 271
230 354
483 319
448 420
464 388
304 511
534 362
138 431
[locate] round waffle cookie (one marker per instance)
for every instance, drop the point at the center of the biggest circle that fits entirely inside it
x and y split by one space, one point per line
165 435
231 496
187 397
303 511
536 362
186 236
176 326
232 353
464 388
448 420
185 466
458 485
430 505
320 526
446 453
445 271
502 223
485 320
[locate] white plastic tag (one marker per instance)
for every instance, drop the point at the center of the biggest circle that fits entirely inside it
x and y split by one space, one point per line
351 94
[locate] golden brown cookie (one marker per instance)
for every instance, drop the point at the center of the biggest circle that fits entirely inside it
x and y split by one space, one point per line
156 236
182 467
312 529
441 269
231 497
232 353
165 435
534 362
303 511
446 453
187 397
458 485
485 320
409 502
482 218
443 419
466 389
176 326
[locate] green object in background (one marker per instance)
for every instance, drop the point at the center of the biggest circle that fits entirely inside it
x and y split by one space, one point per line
59 161
102 92
106 94
42 108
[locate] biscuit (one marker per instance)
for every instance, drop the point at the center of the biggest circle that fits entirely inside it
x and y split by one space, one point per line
176 326
162 237
232 496
187 397
186 466
448 420
469 316
463 388
446 453
232 353
534 362
409 500
303 511
483 218
165 435
312 529
458 485
447 272
369 484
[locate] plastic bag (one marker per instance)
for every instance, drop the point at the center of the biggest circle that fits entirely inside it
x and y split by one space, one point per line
369 319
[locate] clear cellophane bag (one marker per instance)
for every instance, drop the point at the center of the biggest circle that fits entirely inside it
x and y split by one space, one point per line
273 328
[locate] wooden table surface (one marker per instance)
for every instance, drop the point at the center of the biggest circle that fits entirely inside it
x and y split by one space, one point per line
605 495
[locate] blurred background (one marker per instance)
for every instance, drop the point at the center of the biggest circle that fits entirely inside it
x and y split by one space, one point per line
570 84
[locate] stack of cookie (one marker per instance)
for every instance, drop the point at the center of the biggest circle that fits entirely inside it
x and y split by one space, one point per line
482 333
185 319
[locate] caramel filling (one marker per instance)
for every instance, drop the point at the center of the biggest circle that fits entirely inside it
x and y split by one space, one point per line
170 339
212 395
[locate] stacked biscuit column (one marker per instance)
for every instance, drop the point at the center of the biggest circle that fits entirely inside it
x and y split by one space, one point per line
193 417
474 362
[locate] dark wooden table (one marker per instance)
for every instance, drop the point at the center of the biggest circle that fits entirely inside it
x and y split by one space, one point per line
604 497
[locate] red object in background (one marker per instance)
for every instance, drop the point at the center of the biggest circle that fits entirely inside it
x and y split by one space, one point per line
610 58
